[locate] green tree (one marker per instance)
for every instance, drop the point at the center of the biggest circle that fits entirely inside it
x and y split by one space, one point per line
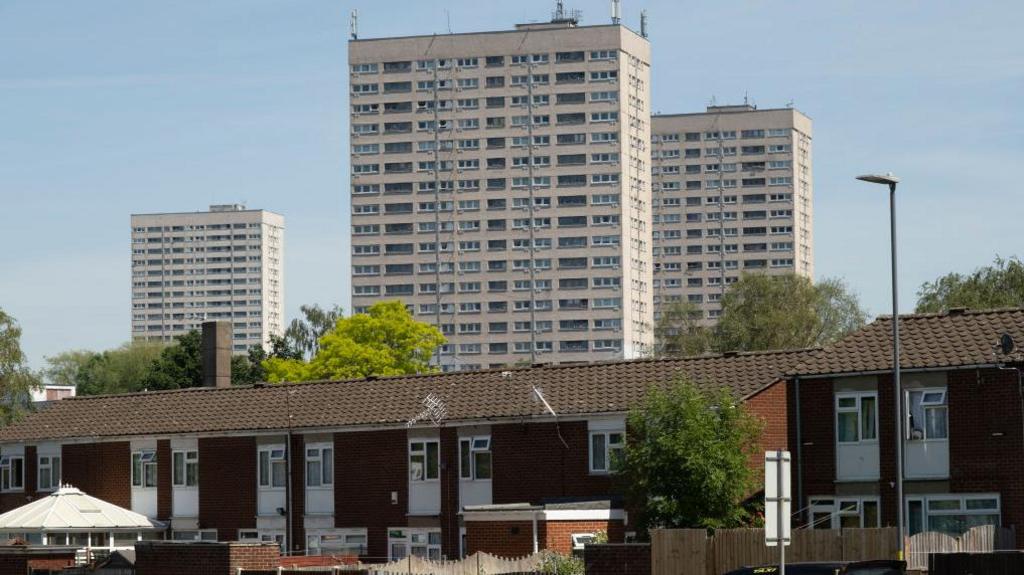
998 285
303 334
679 333
385 340
761 312
180 365
16 380
686 460
120 370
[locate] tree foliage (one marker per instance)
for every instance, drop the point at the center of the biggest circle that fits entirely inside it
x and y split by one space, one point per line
120 370
16 380
998 285
686 459
761 312
303 334
385 340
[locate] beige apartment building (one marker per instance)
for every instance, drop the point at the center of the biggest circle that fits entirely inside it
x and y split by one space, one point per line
223 264
501 189
732 194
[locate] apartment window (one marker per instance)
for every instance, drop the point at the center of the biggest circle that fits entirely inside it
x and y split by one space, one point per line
185 468
12 473
606 451
475 458
49 472
927 414
952 514
424 460
144 468
319 466
273 467
856 417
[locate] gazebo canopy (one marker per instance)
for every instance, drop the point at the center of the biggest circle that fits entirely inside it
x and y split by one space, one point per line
68 509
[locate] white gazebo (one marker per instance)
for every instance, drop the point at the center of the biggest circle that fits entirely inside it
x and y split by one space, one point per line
69 517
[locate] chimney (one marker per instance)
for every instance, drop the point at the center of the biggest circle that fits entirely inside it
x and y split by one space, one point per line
216 354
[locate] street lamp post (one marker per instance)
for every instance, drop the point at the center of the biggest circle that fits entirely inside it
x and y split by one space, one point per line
891 181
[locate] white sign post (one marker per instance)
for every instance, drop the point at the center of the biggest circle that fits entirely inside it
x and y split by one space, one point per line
777 503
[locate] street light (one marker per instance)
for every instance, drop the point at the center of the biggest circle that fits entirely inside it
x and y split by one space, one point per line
891 181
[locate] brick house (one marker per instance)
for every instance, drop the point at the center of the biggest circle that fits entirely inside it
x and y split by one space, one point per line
329 467
963 443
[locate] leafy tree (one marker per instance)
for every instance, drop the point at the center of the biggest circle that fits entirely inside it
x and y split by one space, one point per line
303 334
989 287
180 365
385 340
16 380
679 333
686 460
761 312
120 370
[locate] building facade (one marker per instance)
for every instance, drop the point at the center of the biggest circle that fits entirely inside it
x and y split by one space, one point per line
732 194
501 189
223 264
963 427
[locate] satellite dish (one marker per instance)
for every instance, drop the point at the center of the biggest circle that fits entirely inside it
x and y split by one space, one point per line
1006 344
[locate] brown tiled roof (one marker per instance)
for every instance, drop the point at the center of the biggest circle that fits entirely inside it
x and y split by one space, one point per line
570 389
950 339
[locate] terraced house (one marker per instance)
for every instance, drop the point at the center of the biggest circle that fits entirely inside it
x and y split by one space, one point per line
963 415
432 465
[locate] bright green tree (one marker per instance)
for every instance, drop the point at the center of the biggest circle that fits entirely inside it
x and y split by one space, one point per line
762 312
16 380
996 286
385 340
303 334
686 459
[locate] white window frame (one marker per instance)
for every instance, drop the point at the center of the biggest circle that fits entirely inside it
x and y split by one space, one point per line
49 466
353 541
275 455
423 452
262 536
472 448
932 405
321 456
838 506
182 460
413 539
858 398
7 475
962 498
609 449
579 540
140 477
196 535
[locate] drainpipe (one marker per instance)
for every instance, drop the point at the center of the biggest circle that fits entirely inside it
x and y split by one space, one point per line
535 547
799 450
288 481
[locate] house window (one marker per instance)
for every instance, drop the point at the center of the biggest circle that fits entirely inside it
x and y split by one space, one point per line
195 535
579 540
185 468
606 451
952 514
425 543
273 469
144 468
857 418
12 473
475 458
336 542
49 472
319 466
843 512
927 414
424 460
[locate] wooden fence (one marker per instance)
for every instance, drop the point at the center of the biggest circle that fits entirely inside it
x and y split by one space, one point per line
475 564
981 539
694 552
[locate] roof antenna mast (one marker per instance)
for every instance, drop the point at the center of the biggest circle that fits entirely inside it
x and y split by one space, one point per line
353 24
616 12
643 23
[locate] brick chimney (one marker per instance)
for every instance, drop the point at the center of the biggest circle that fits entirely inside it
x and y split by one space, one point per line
216 354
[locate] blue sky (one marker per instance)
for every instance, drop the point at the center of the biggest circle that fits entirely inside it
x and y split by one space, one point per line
113 107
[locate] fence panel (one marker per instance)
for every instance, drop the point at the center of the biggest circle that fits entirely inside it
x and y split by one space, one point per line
679 551
733 548
867 544
814 545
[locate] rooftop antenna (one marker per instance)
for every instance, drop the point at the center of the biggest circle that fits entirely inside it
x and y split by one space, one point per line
643 23
789 104
746 98
353 24
616 12
563 16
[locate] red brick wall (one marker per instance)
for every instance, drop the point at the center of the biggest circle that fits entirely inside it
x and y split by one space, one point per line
450 492
17 561
817 447
769 405
227 485
102 470
376 464
164 491
297 460
558 534
515 538
521 450
982 403
170 558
